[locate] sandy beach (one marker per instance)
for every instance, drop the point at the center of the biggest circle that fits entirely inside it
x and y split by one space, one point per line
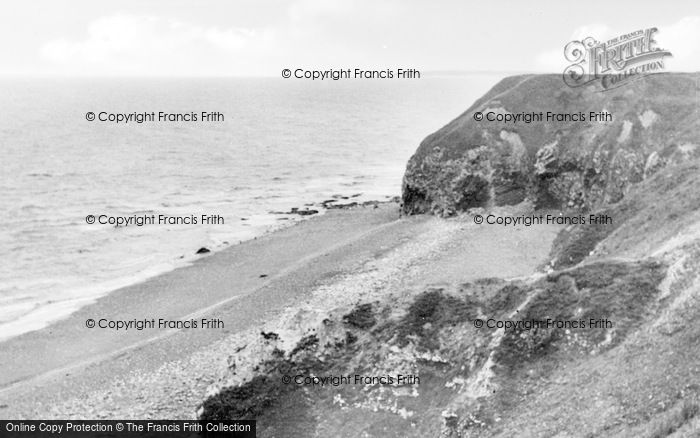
339 259
337 219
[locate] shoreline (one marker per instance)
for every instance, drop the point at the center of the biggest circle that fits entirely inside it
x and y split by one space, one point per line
43 315
204 284
336 259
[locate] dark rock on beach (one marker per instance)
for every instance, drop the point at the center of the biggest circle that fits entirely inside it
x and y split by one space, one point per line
297 211
342 206
269 336
306 212
203 250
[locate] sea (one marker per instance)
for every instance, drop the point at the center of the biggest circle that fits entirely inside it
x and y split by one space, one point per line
282 144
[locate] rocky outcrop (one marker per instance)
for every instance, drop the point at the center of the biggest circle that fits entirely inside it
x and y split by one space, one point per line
600 342
575 164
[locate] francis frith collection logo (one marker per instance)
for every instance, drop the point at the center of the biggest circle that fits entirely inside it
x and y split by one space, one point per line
614 62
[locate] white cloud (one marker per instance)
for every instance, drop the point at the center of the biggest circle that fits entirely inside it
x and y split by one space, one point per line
308 33
146 45
553 61
311 11
682 39
599 31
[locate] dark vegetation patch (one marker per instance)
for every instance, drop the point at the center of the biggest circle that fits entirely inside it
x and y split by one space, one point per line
574 244
248 401
350 338
507 298
361 317
650 207
280 410
267 393
614 290
431 311
305 344
618 291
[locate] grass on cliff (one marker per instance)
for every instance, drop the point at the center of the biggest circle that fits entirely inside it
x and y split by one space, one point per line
507 298
361 317
431 311
652 211
268 397
679 416
618 291
249 401
574 244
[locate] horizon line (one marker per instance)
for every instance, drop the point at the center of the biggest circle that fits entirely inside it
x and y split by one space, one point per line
265 76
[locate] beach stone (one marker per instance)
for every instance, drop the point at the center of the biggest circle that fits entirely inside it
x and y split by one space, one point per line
580 165
306 212
203 250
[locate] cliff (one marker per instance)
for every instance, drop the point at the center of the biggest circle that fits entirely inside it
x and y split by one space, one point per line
632 375
574 164
632 372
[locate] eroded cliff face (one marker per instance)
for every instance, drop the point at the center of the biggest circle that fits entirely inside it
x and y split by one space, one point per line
634 283
555 164
629 371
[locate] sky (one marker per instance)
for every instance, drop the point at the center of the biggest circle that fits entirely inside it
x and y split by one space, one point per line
262 37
